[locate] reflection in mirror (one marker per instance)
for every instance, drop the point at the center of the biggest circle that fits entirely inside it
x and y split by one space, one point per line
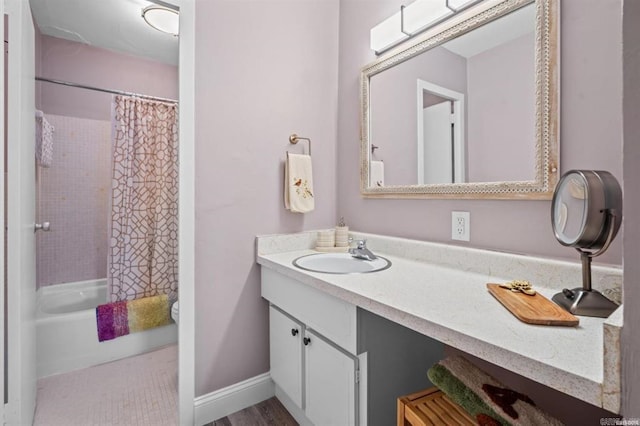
570 209
493 68
440 148
462 110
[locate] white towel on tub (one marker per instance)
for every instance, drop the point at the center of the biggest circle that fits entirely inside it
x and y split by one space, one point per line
298 183
44 140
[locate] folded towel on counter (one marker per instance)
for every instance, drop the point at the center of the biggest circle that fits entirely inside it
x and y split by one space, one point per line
121 318
483 397
298 184
376 173
44 140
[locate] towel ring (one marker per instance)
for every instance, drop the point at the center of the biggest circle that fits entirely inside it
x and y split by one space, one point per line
295 138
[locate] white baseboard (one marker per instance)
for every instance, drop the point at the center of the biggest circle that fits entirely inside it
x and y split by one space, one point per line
239 396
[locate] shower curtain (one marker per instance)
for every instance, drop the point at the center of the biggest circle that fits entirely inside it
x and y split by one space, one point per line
143 231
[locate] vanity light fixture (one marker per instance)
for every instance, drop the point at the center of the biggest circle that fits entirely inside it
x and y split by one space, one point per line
412 20
162 19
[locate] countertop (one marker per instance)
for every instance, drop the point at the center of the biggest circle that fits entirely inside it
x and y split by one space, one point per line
451 304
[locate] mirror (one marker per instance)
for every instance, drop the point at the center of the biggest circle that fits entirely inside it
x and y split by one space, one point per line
586 213
468 109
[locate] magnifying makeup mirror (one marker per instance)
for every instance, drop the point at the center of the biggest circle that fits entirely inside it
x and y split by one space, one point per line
586 213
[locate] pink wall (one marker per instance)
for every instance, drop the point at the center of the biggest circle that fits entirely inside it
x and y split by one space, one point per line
393 109
502 110
264 70
79 63
591 136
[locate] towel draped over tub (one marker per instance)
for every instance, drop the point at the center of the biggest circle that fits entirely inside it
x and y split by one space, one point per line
120 318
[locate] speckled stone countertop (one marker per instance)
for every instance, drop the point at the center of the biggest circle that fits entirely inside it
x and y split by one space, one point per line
439 290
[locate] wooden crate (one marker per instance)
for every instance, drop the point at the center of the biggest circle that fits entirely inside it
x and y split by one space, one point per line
431 407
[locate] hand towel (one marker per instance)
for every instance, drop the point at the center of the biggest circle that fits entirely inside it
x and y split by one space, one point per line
482 395
298 184
376 173
44 140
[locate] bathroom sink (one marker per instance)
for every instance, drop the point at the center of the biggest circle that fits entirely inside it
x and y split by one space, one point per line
340 263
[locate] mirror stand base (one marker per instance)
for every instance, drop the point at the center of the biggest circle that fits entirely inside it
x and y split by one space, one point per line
588 303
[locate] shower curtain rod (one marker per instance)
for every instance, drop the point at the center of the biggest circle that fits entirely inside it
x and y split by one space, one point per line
98 89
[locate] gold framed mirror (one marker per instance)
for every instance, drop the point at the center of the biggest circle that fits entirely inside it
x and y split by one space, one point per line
467 109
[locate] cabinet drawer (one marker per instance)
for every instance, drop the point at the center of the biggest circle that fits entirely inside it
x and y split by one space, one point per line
328 315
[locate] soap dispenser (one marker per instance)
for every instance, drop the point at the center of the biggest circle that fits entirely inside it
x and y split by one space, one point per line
342 234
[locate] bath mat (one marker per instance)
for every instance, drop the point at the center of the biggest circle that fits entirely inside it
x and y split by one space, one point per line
481 395
121 318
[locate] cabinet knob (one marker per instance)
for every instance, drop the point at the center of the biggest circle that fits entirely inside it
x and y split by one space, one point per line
306 341
294 332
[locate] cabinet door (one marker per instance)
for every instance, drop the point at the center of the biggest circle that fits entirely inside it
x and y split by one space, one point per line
285 349
330 383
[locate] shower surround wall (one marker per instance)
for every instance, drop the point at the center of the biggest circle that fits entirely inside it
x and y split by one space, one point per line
74 197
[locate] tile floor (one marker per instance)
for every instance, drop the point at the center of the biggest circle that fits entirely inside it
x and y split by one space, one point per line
137 391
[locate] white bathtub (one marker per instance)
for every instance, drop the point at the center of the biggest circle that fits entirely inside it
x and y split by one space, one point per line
66 333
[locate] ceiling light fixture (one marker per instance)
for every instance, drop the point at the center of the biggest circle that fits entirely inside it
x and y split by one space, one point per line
412 20
162 19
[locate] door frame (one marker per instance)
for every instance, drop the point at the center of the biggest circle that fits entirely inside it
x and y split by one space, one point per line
20 283
186 213
186 325
3 374
459 151
186 208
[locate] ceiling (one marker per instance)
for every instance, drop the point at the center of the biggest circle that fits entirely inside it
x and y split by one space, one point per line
110 24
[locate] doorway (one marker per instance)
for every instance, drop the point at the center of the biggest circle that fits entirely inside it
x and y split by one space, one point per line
24 223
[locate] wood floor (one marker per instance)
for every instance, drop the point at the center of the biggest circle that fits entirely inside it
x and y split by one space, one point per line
267 413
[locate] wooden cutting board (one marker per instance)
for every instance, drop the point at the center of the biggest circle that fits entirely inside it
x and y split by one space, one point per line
535 309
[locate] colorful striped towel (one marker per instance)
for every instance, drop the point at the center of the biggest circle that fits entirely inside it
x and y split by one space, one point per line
121 318
484 397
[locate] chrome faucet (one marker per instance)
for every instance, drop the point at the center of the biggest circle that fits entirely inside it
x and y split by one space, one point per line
362 252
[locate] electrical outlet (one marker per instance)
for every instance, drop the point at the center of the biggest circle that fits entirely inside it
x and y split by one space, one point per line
460 226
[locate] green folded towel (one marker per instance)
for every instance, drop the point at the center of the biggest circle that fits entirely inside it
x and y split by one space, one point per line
480 394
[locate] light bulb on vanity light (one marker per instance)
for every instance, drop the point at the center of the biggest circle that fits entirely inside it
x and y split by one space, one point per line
413 19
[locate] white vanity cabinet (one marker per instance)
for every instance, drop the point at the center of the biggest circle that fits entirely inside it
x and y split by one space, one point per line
313 352
330 383
285 350
336 364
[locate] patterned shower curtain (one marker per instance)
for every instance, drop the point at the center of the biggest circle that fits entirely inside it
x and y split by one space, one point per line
143 231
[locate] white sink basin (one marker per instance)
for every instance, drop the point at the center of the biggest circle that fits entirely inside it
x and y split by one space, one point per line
340 263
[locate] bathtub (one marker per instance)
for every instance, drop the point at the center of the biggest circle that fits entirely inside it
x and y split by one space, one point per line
66 334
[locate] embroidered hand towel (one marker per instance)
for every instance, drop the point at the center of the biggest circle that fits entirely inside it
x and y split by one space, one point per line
44 140
377 173
298 183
